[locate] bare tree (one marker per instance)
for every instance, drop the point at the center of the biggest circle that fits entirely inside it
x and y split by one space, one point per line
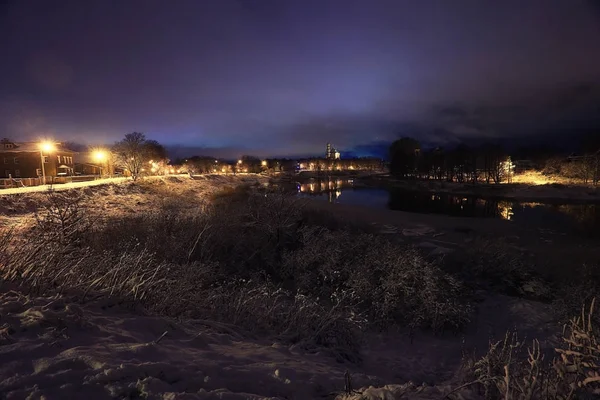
134 152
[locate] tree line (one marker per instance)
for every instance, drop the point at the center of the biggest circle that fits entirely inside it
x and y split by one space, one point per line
491 162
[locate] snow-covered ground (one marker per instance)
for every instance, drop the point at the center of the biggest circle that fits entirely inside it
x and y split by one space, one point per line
61 348
63 186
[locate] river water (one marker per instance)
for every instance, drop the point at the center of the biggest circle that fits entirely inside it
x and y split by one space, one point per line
565 216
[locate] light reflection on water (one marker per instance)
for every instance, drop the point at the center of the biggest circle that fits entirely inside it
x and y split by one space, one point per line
330 188
537 214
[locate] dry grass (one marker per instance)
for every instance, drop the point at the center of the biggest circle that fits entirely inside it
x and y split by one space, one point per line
533 177
253 263
513 371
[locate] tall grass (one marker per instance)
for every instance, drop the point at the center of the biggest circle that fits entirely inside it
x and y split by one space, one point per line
512 370
252 263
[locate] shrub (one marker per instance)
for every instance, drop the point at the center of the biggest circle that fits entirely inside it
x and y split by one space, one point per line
497 265
395 283
582 287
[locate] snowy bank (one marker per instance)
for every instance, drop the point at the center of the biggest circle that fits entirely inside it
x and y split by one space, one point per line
58 347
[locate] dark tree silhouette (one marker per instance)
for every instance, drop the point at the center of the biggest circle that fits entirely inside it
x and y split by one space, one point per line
251 164
404 155
202 164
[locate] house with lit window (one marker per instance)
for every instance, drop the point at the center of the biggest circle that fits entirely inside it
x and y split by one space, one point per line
24 160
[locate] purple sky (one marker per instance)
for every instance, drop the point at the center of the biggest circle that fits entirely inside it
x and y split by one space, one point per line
277 77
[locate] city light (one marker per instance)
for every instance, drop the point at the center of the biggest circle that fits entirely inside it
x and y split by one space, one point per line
264 163
239 161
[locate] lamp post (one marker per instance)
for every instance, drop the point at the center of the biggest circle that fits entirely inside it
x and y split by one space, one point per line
47 147
100 157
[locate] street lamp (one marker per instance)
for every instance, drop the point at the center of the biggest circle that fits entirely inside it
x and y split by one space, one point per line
100 156
47 147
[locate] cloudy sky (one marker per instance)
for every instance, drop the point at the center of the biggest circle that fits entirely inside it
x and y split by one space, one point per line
283 77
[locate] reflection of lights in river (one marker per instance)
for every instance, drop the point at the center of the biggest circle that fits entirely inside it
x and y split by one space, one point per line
505 210
332 187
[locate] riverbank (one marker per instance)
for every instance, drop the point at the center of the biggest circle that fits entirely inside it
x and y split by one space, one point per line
544 249
523 192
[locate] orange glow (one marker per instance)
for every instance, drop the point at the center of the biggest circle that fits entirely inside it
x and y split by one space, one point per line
99 155
47 147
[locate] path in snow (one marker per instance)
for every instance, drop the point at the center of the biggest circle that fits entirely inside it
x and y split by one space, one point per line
62 186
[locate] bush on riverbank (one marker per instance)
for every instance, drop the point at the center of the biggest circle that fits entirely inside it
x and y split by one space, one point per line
498 266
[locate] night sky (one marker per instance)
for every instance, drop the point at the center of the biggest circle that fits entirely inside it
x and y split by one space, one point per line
277 77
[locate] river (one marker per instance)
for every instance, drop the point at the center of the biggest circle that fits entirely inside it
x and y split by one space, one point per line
568 217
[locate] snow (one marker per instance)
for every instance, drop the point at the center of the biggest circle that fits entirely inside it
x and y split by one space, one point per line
61 349
58 347
63 186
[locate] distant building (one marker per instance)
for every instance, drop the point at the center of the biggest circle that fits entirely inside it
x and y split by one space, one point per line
331 153
24 160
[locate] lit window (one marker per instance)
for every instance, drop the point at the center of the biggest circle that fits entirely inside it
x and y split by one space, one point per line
16 160
17 173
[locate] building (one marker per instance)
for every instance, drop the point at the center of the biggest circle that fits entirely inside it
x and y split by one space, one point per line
331 153
97 162
24 160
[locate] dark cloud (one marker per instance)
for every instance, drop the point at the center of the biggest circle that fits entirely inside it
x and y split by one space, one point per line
286 76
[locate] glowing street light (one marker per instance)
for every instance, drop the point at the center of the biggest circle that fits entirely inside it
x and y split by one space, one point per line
47 147
239 161
263 163
101 157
